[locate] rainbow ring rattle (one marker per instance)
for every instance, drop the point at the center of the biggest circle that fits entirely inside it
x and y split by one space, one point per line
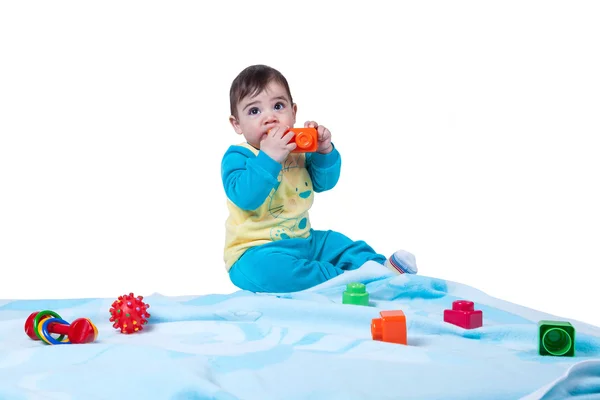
40 325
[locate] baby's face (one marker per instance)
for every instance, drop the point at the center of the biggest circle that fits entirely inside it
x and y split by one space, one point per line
267 110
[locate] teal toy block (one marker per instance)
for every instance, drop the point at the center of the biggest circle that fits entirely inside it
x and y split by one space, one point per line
356 293
556 338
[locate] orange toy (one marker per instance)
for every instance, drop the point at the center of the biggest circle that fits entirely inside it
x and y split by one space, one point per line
306 140
391 327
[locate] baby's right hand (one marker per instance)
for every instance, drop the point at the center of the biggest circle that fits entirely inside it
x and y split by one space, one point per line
277 143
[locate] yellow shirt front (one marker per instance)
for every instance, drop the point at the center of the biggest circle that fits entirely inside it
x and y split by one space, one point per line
282 215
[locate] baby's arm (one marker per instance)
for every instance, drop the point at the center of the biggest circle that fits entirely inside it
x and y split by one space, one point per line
324 169
248 179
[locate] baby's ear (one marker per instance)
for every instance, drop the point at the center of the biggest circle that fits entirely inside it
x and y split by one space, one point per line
295 110
236 125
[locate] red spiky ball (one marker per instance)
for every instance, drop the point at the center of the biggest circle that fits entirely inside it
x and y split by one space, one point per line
129 313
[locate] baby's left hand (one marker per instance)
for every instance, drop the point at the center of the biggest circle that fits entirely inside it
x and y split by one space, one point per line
323 135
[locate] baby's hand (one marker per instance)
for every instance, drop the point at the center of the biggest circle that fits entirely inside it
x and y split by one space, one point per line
323 135
277 143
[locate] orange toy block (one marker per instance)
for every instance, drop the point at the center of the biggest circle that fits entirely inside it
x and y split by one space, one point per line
391 327
306 140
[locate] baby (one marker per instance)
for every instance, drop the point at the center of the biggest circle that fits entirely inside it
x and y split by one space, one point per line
270 245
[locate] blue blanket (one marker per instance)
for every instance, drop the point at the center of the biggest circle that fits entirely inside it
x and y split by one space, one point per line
304 345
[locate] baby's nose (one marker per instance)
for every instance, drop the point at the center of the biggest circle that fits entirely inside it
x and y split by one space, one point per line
270 118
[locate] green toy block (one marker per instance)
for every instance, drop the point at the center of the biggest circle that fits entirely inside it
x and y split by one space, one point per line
356 293
557 338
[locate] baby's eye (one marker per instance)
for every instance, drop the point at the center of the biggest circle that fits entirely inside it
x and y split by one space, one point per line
279 106
253 111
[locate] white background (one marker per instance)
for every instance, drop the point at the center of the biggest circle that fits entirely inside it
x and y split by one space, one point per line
468 131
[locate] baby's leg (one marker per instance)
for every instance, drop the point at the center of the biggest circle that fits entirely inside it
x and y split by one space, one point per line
339 250
281 267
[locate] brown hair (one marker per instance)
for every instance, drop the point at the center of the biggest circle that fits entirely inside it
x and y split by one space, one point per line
253 80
